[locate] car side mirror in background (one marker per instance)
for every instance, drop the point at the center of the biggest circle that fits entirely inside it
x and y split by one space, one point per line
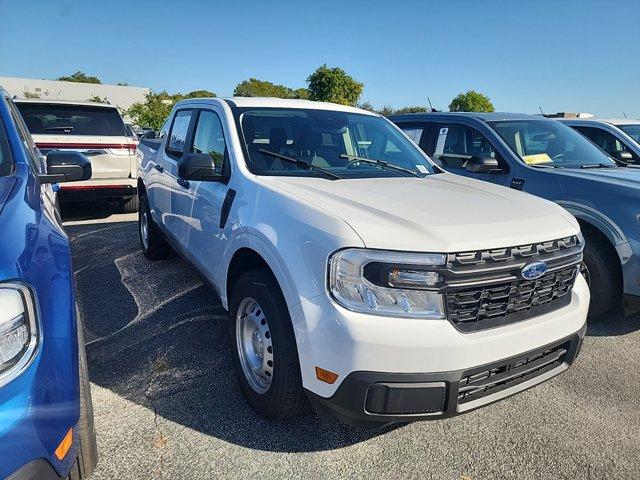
66 166
201 167
478 164
623 156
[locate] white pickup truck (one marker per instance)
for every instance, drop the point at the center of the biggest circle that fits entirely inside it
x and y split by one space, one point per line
357 274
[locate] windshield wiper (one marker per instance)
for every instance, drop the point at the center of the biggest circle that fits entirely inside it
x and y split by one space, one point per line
380 163
301 163
547 166
597 165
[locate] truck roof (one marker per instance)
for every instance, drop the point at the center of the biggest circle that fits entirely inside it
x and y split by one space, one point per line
612 121
63 102
486 117
272 102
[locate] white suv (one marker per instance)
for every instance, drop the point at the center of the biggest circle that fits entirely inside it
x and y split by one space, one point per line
356 273
98 131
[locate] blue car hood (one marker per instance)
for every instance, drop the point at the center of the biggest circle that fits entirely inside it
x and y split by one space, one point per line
6 185
622 176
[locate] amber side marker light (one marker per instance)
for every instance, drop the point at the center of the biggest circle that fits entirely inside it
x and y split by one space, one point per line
65 445
326 376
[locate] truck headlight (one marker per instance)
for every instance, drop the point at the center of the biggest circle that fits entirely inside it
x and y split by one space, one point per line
19 334
384 283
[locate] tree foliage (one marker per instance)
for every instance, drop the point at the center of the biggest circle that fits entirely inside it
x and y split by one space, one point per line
80 77
471 101
28 94
97 99
389 110
262 88
157 107
334 85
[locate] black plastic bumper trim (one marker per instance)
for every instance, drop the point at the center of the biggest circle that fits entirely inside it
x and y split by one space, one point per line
631 304
39 469
349 403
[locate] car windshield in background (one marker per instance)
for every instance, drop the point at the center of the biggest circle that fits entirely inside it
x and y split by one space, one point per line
547 143
6 164
60 119
327 140
632 130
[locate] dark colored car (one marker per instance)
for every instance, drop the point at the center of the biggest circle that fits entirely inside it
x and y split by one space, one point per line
46 416
549 159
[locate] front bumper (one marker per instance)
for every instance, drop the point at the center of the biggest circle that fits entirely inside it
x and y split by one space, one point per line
372 399
411 350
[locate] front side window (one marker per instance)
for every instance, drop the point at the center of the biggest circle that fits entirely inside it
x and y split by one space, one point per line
632 130
62 119
339 142
179 129
209 138
455 144
547 143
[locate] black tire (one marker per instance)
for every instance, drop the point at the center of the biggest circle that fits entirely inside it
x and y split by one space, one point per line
87 458
602 274
156 247
285 396
131 206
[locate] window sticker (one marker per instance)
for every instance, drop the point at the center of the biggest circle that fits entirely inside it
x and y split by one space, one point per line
422 169
537 159
442 138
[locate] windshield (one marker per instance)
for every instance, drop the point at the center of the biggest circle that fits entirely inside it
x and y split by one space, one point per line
6 164
60 119
327 140
632 130
550 143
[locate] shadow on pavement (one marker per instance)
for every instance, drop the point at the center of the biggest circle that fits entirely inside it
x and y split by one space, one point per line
87 210
157 336
613 323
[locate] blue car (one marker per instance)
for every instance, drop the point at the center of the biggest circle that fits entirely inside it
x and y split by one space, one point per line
548 159
46 416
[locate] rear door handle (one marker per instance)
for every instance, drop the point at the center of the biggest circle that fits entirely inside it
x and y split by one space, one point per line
159 168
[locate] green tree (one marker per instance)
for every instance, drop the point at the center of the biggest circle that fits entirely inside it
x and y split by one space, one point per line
262 88
28 94
334 85
157 107
97 99
79 77
471 101
414 109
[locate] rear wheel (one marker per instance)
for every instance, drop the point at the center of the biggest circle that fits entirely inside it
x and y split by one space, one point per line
600 270
153 244
264 348
87 458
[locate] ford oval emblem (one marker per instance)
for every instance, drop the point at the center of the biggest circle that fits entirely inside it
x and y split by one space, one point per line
534 270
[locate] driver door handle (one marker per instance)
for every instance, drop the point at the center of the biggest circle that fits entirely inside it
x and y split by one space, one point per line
159 168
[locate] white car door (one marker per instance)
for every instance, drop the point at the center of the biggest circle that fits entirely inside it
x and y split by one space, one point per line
206 238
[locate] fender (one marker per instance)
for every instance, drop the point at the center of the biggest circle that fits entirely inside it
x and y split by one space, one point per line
596 218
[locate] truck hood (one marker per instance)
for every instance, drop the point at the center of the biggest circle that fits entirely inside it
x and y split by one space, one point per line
6 185
439 213
623 176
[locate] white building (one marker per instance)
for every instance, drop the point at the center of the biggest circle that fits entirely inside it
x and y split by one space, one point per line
122 96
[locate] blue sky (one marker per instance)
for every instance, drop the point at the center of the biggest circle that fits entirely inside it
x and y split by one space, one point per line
577 55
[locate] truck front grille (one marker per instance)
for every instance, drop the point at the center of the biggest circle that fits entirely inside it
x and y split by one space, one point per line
481 382
486 290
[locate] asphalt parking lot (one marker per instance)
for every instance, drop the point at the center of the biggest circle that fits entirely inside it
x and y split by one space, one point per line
167 405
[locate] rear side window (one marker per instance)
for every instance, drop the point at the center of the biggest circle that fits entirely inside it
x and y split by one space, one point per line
58 119
179 129
6 164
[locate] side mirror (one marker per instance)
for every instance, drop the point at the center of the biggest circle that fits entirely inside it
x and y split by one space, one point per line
478 164
203 167
66 166
622 156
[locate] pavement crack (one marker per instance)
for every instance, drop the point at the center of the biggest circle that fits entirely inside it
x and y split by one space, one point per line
160 441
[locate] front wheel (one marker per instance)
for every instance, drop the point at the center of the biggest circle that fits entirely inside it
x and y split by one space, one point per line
263 347
599 268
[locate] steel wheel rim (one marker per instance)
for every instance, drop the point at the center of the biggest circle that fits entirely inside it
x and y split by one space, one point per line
144 229
584 270
254 345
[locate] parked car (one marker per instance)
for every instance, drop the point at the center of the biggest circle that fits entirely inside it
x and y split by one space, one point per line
550 160
356 273
98 131
46 417
620 138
